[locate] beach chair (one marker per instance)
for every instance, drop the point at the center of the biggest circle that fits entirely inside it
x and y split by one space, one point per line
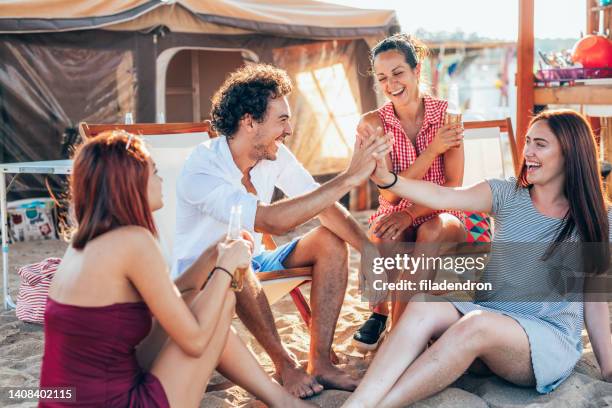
486 153
170 144
486 156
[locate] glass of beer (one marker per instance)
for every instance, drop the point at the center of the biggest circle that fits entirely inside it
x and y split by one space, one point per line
453 112
233 232
453 117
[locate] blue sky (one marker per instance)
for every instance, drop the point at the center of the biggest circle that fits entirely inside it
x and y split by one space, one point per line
488 18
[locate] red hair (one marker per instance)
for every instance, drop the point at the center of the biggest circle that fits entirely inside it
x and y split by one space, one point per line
108 186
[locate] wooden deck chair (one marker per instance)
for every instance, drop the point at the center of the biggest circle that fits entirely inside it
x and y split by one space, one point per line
485 152
487 156
170 144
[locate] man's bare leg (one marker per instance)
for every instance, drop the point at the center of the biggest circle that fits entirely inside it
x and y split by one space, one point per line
328 256
254 311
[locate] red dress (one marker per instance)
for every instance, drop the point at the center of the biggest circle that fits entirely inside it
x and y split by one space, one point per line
91 349
404 153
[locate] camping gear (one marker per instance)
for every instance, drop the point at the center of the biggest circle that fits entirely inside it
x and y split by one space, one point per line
63 64
48 167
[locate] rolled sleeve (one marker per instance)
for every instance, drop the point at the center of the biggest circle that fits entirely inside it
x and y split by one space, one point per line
215 196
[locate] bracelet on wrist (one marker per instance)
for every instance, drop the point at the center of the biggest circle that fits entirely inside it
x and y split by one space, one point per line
389 185
224 270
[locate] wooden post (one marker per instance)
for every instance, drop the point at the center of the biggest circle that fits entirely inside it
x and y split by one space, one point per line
524 75
606 137
592 18
195 83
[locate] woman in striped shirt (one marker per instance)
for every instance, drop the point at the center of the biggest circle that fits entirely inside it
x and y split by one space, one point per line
557 202
424 148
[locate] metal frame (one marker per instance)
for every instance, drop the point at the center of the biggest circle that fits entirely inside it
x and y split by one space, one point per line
41 167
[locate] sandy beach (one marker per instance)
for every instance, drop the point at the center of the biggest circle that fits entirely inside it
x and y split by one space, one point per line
21 346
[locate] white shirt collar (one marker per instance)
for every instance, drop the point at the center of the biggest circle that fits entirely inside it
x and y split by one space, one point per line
226 153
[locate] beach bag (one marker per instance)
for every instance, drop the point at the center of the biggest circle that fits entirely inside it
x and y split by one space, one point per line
34 288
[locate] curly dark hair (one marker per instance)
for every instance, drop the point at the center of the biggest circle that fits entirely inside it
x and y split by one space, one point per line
247 91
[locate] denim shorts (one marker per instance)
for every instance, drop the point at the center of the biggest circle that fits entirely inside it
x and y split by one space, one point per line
270 261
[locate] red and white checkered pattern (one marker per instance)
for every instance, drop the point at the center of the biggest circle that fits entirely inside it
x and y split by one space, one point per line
34 288
404 152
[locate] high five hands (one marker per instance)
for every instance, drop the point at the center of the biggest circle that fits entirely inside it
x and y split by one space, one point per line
371 147
367 134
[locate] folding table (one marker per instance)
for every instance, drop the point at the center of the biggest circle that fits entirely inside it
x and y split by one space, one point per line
41 167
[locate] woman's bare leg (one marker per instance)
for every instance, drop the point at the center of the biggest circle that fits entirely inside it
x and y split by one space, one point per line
498 340
184 378
422 321
240 366
149 348
443 228
389 248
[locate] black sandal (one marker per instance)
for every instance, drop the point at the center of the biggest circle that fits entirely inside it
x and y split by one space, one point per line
370 334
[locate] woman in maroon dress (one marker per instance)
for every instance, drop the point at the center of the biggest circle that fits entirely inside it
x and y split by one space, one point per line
118 331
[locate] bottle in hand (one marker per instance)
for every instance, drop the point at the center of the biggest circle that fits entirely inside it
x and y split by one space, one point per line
233 232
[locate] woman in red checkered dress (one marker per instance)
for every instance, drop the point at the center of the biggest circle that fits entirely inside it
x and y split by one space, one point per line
424 148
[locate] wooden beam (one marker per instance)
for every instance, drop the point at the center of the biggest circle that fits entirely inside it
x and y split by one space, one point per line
195 83
302 272
90 130
524 75
606 136
435 46
502 124
592 17
178 90
576 95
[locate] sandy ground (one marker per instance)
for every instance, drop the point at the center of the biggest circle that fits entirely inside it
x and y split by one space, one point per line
21 346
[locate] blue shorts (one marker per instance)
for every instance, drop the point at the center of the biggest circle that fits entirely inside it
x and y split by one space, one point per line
270 261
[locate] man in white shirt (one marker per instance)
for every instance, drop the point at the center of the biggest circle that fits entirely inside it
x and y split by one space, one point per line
242 168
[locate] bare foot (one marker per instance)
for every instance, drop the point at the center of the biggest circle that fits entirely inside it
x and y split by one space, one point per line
331 377
298 383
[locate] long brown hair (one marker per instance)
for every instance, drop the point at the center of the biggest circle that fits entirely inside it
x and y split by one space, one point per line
108 186
583 187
